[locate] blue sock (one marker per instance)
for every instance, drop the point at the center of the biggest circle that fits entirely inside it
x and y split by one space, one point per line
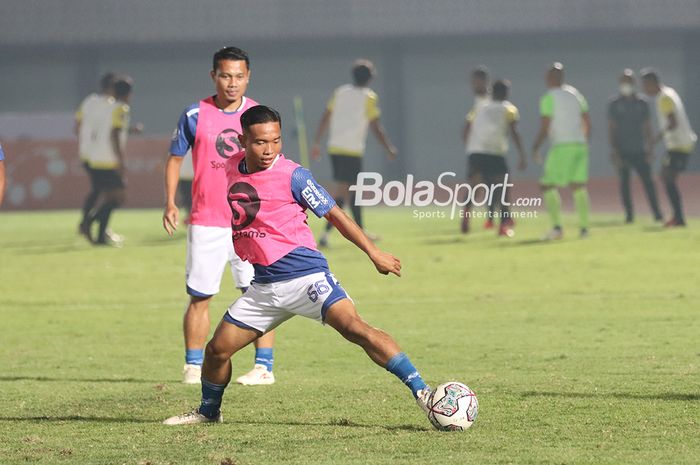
401 367
211 398
264 357
194 356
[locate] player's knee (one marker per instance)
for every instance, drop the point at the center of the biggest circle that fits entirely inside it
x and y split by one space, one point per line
198 304
363 334
216 352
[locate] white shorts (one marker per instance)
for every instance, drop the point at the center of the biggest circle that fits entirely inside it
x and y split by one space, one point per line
209 248
265 306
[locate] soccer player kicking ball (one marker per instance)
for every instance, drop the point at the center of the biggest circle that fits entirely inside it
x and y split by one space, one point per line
268 195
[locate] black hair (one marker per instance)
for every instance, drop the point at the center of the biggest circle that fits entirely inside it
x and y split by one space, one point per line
500 89
650 74
230 53
259 114
362 72
123 86
107 80
481 72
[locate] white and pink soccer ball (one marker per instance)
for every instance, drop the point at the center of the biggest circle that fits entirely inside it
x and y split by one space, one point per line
453 407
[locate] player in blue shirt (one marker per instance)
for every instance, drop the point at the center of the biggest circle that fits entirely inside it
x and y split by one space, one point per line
292 277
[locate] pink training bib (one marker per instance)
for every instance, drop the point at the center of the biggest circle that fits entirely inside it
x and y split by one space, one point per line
216 140
267 221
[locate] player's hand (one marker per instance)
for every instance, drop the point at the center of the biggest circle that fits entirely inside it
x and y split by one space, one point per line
316 152
386 263
171 216
537 157
392 152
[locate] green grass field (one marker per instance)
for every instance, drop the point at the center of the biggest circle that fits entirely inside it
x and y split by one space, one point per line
580 351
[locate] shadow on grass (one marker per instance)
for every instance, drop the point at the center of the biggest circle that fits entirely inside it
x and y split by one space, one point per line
668 396
31 250
342 423
77 418
83 380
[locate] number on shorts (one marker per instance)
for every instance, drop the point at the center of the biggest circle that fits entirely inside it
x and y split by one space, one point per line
317 289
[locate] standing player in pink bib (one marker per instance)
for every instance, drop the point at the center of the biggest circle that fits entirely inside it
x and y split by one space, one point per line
268 196
210 128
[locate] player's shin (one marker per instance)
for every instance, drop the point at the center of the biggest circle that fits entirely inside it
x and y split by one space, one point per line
400 366
212 394
582 205
553 202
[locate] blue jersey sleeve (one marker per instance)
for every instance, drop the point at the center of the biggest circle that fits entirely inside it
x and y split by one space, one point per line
310 194
183 136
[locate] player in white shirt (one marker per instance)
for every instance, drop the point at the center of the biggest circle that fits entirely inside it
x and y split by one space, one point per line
678 137
565 121
106 161
486 136
91 110
480 83
351 110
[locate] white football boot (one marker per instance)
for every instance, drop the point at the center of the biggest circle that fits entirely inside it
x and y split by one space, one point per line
423 399
192 374
192 418
257 376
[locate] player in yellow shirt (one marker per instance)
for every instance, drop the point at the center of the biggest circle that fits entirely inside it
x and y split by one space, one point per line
87 117
107 161
486 137
352 109
678 137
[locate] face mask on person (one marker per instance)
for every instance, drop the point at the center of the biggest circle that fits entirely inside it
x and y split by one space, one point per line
626 89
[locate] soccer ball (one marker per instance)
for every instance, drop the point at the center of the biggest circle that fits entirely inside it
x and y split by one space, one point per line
453 407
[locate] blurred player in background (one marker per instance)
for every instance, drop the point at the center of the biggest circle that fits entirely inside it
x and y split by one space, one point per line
481 87
87 120
272 194
565 120
351 109
630 134
677 134
486 136
107 161
210 129
2 174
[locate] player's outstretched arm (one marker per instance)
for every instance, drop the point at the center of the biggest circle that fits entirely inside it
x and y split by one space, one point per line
383 139
171 213
383 261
